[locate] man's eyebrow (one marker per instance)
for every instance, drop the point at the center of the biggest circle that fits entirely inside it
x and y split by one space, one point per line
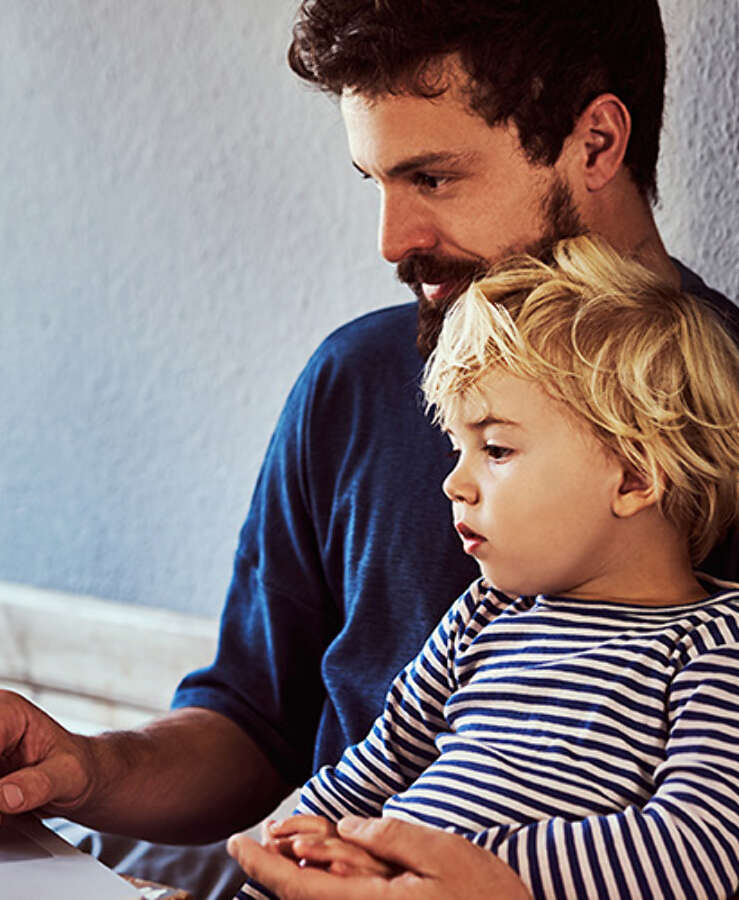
424 161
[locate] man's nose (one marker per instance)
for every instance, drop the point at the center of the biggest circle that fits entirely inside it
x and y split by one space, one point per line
405 227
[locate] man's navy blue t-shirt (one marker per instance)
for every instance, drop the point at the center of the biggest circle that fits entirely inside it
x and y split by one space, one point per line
348 557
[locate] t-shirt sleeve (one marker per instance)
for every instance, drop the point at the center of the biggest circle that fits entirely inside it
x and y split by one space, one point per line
279 615
402 742
684 841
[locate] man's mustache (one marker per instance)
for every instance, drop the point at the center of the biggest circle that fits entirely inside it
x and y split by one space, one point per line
427 269
458 274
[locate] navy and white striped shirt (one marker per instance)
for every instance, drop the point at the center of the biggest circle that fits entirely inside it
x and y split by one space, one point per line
593 746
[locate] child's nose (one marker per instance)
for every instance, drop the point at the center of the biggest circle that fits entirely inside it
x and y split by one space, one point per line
459 487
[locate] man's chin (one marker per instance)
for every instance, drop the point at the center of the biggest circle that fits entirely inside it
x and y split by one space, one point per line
431 316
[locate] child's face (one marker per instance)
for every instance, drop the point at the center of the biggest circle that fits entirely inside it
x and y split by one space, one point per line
531 492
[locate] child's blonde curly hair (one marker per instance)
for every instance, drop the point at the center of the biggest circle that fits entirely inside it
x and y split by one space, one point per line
650 368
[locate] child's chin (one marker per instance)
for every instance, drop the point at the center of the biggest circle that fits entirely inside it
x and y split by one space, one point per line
510 587
498 585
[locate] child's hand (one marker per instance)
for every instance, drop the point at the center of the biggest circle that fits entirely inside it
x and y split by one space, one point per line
314 841
279 836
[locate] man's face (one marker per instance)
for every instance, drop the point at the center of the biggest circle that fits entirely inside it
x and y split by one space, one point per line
456 194
532 493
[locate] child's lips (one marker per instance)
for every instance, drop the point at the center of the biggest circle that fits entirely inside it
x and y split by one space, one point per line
470 539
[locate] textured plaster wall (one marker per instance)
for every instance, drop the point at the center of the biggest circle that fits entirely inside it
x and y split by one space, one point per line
699 162
180 227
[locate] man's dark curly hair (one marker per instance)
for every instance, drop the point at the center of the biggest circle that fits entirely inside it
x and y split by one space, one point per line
537 63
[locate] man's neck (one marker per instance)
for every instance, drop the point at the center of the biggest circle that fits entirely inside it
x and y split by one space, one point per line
624 218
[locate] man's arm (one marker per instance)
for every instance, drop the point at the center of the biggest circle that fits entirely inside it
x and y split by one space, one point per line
189 776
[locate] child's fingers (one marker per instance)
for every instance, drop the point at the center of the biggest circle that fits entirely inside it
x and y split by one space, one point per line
275 845
282 846
339 857
267 832
302 824
278 837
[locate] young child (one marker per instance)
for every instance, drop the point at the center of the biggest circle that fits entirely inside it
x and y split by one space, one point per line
576 712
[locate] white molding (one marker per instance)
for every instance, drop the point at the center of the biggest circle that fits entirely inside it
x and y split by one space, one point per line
95 661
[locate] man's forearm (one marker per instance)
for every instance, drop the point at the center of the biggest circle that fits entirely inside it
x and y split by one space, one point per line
189 776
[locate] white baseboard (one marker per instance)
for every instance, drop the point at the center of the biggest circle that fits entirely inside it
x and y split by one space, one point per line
94 663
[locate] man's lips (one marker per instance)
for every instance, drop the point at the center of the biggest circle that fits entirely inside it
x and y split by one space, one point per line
437 278
435 293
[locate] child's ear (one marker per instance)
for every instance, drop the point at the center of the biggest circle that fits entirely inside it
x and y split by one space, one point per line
635 493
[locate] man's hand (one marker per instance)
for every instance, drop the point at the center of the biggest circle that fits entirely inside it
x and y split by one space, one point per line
429 865
189 776
314 841
49 768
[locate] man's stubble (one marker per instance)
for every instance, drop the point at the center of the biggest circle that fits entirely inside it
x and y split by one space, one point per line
561 220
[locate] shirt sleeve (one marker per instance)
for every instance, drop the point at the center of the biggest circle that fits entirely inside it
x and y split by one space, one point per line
279 614
401 743
684 842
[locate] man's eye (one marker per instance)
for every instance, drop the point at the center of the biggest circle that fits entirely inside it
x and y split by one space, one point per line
497 453
424 180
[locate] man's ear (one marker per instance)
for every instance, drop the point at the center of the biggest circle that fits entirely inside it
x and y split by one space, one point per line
635 493
600 136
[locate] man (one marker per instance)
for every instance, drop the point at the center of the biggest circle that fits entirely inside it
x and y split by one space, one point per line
488 127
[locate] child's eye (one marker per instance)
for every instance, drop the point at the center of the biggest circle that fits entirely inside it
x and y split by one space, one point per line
497 453
453 453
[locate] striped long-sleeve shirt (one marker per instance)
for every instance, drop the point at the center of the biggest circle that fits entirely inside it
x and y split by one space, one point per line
593 746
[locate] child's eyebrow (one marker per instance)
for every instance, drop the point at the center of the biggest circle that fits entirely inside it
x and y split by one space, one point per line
493 420
484 423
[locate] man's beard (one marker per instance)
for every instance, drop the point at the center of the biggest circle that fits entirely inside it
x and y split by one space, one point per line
561 220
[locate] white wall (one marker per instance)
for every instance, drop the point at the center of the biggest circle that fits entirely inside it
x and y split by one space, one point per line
180 227
699 162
